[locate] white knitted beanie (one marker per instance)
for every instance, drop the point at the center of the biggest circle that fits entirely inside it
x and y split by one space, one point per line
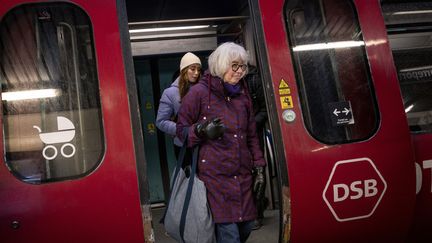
189 59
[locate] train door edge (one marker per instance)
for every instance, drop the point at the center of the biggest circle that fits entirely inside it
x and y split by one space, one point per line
135 122
279 155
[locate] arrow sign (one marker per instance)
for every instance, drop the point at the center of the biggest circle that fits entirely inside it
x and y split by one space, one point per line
341 113
346 111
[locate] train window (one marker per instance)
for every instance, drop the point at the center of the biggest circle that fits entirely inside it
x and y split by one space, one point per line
52 121
410 33
336 92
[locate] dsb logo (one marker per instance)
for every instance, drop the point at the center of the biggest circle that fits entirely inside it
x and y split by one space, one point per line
354 189
366 188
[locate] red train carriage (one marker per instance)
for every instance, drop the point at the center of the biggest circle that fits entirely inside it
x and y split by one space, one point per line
74 179
344 169
83 161
409 31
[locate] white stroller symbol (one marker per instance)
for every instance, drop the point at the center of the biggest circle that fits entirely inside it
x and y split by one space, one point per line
66 133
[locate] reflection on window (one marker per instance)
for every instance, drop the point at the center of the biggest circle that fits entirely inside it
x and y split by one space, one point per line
52 121
415 79
410 35
328 52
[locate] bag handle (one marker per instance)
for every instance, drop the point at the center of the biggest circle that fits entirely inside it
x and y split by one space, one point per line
182 154
177 169
188 192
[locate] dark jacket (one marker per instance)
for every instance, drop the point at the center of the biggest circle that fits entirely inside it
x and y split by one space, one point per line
225 165
256 92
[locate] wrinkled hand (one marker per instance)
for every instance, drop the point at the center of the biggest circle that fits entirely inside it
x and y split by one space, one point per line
258 184
210 129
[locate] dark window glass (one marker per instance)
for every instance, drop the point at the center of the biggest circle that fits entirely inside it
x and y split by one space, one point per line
410 34
52 123
332 72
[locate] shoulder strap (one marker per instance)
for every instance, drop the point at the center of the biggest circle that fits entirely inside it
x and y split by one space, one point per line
188 192
182 153
177 169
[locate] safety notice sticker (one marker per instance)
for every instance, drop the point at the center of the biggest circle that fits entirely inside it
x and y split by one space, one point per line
285 97
284 88
286 102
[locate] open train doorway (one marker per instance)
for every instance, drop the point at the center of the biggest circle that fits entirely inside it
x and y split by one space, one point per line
158 42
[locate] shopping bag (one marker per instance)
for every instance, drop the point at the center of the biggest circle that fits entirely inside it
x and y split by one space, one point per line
188 217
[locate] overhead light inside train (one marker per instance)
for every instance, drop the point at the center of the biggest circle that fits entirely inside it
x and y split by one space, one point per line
170 28
427 11
30 94
329 45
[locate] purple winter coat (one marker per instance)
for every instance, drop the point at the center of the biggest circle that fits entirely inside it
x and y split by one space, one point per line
225 164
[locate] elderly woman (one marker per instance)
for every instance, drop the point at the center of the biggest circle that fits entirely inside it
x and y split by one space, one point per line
220 119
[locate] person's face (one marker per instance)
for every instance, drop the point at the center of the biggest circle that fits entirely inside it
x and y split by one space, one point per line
235 72
193 72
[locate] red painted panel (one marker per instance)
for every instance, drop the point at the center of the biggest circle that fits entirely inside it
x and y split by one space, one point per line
103 206
420 231
313 167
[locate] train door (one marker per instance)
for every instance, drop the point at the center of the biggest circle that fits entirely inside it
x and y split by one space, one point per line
158 43
343 131
410 32
153 75
154 152
68 170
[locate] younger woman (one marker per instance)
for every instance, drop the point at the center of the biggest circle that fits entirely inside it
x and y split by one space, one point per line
190 73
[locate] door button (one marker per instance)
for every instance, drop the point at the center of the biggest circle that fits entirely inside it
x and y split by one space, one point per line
289 115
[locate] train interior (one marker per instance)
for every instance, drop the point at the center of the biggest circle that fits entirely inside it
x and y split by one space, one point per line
161 32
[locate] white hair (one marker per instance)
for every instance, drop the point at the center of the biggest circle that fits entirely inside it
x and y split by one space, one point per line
220 60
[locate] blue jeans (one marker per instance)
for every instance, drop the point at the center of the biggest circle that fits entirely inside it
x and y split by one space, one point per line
233 232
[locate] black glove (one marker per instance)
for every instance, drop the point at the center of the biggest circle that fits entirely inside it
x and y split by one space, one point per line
258 184
210 129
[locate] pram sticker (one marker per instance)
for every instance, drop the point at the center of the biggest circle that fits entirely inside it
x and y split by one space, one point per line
66 132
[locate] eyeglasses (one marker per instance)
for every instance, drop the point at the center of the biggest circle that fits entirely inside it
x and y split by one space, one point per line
236 66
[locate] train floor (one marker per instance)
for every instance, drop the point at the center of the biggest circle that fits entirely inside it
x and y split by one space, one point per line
269 232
